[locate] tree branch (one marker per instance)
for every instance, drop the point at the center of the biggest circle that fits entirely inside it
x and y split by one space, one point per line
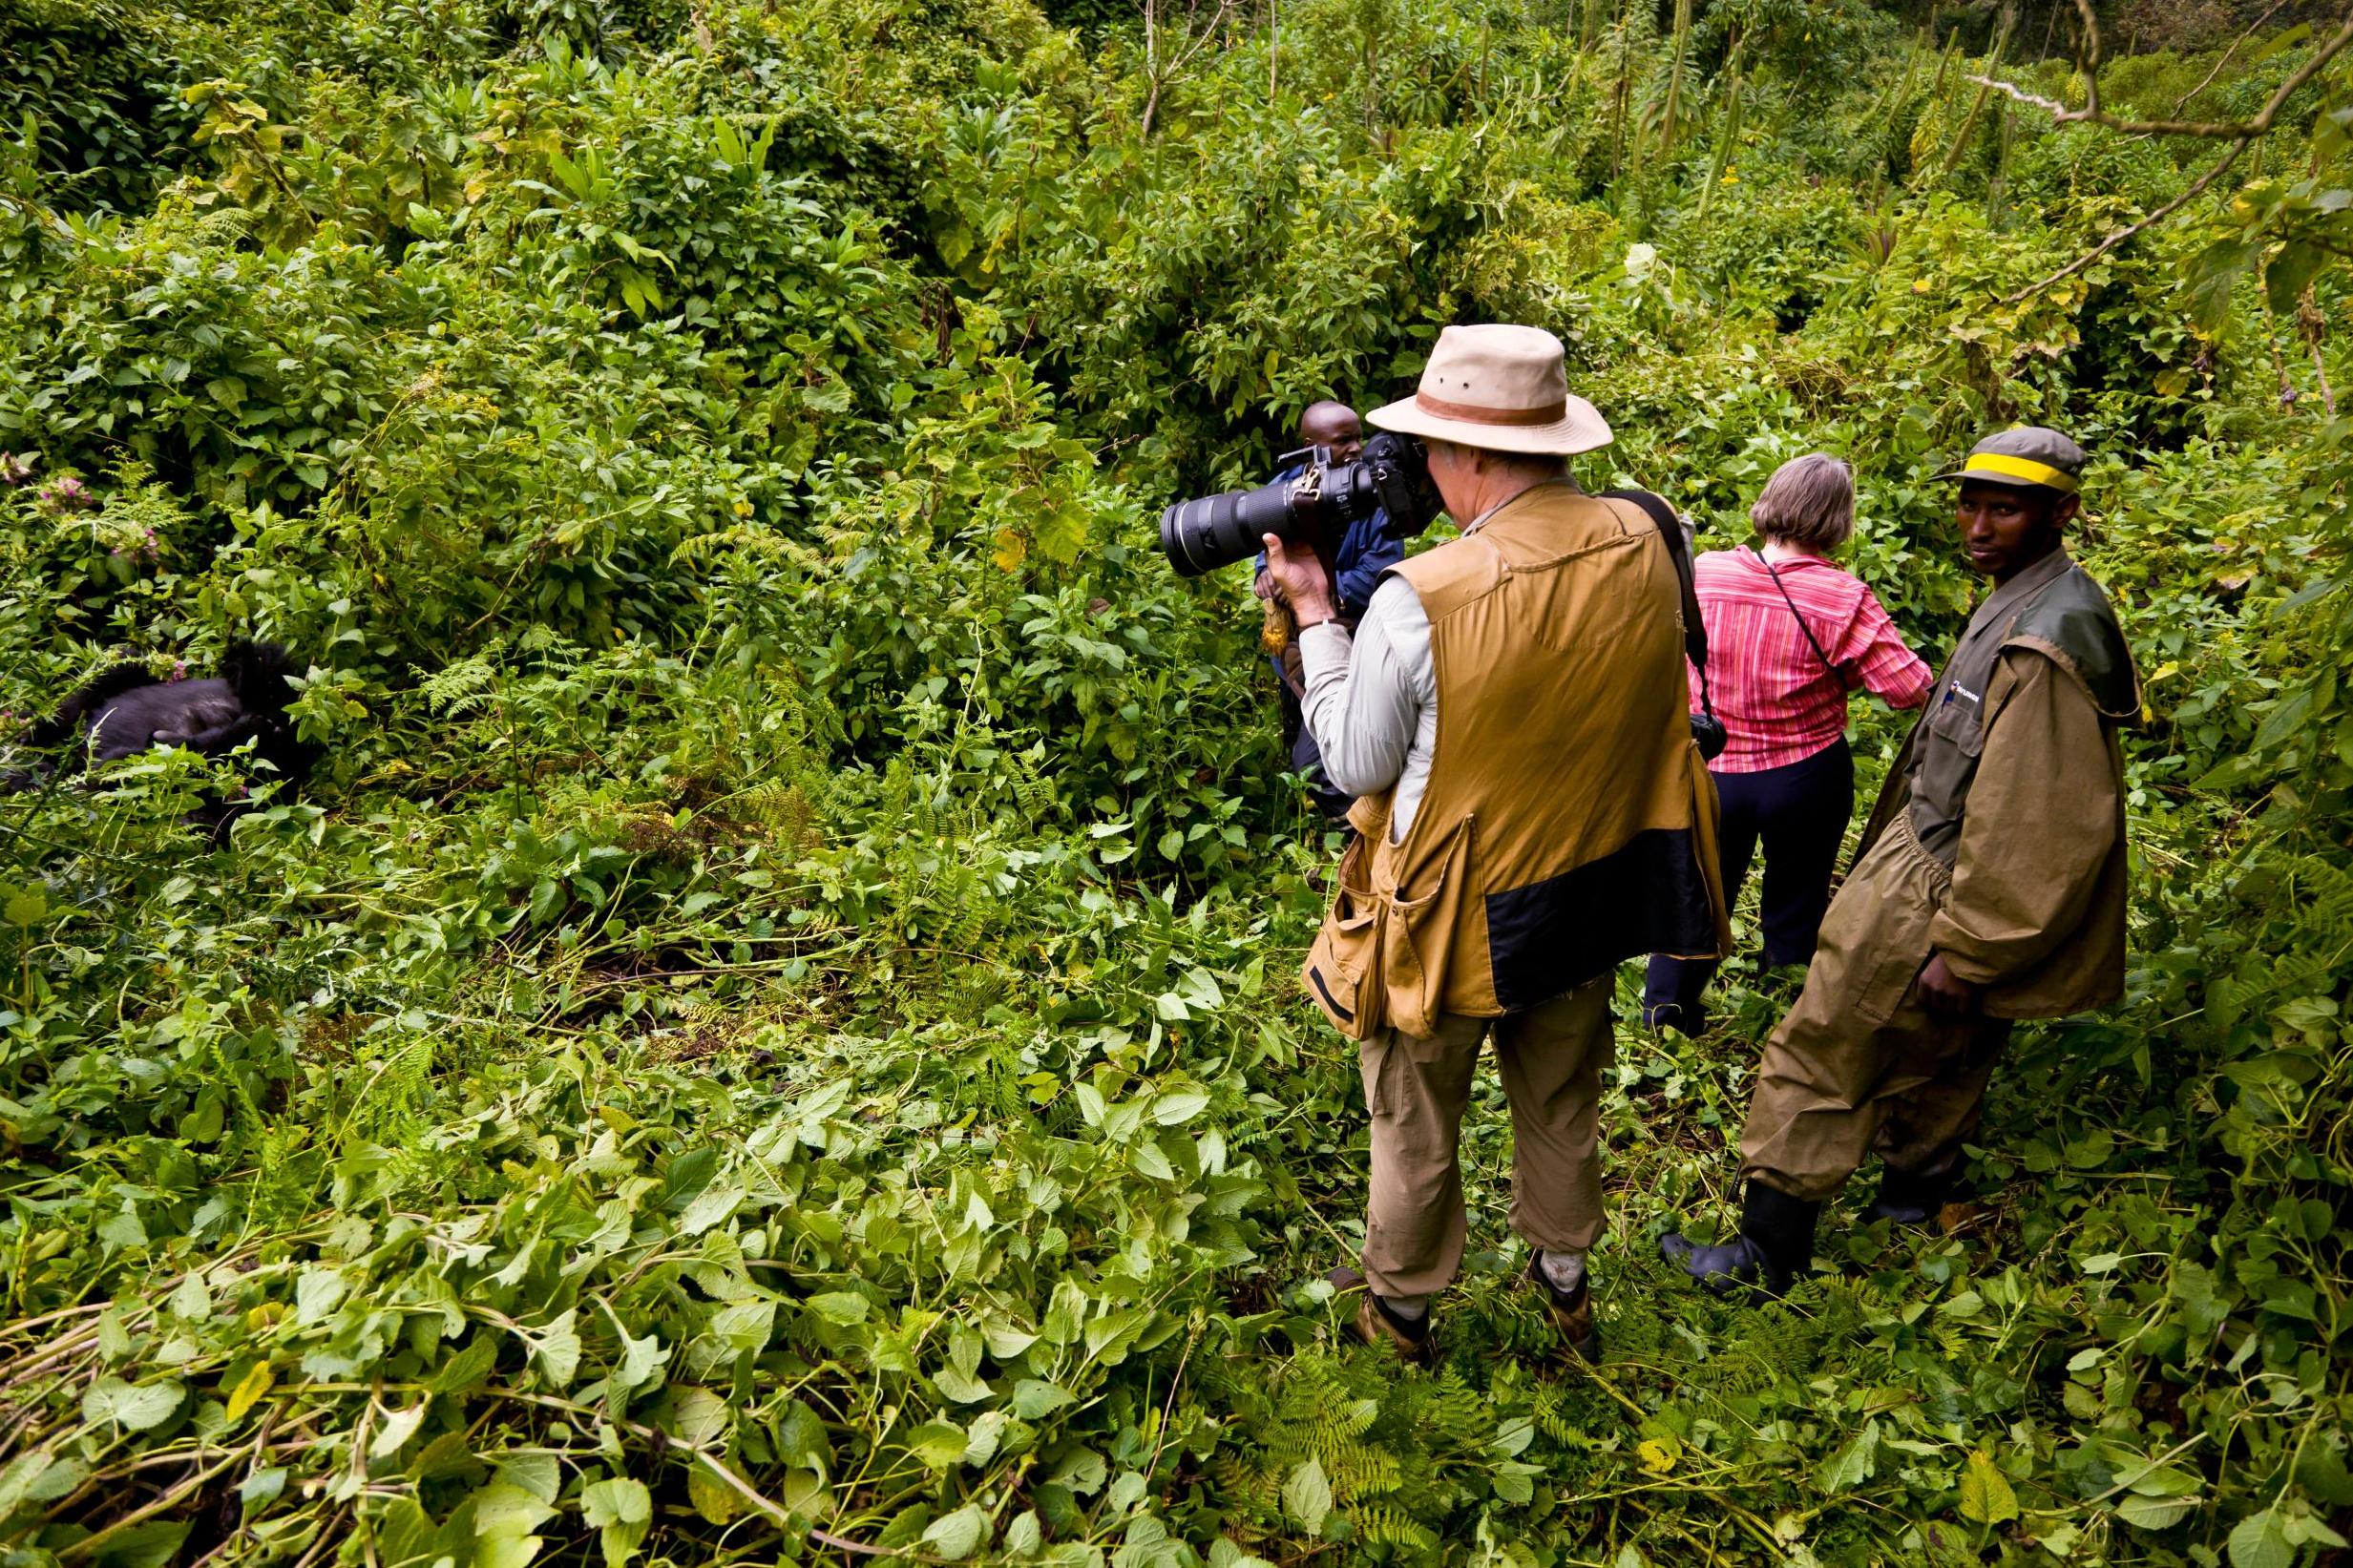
2091 113
2197 187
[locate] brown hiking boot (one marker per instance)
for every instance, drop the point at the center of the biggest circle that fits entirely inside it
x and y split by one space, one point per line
1375 1324
1571 1311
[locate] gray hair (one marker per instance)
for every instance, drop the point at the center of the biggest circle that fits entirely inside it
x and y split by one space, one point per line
1809 501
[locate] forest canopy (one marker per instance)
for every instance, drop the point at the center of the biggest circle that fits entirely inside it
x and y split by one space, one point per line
772 1030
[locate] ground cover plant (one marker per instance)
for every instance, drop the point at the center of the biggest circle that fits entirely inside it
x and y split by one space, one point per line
771 1033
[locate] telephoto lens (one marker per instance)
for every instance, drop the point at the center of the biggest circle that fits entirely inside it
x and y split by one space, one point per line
1216 531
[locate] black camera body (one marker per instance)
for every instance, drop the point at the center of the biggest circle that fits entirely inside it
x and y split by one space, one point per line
1391 474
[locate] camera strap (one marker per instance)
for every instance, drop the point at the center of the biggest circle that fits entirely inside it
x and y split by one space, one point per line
1678 551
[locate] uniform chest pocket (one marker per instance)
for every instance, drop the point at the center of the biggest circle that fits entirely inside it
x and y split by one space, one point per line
1959 721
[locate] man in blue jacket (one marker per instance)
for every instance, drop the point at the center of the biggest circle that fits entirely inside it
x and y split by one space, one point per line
1356 567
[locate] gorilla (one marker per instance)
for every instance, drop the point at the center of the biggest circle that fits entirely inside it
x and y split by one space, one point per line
125 711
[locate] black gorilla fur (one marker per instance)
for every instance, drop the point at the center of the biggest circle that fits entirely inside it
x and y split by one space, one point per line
125 711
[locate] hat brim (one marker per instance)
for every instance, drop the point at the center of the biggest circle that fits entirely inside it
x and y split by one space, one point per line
1580 428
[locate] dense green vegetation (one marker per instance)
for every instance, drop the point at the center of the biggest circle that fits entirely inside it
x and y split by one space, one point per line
773 1031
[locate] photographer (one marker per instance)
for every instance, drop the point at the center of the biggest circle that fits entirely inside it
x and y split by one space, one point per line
1560 823
1364 551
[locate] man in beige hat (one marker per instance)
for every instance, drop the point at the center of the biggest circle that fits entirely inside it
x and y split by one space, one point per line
1990 886
1558 822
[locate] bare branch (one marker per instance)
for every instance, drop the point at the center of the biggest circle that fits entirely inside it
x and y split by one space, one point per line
2197 188
2228 55
2091 113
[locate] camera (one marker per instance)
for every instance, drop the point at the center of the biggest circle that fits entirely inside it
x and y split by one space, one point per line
1316 509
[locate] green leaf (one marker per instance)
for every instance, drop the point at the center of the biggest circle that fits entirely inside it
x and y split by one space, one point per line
620 1510
392 1435
150 1545
958 1534
937 1444
2288 272
2154 1513
1033 1400
1985 1494
842 1306
134 1409
1307 1496
1179 1105
2260 1541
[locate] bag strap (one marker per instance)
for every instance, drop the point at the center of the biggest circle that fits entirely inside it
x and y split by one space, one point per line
1678 551
1836 671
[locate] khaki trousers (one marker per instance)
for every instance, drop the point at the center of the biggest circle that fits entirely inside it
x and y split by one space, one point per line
1550 1058
1858 1066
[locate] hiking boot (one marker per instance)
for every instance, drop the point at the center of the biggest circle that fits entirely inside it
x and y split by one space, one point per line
1376 1323
1774 1245
1910 1197
1571 1311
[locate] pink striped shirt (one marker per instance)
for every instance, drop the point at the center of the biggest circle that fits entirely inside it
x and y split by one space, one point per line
1778 702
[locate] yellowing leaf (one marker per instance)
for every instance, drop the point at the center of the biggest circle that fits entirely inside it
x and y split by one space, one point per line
712 1498
250 1388
1656 1456
1011 549
1985 1494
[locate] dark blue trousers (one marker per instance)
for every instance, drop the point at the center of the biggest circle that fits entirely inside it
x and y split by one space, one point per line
1798 814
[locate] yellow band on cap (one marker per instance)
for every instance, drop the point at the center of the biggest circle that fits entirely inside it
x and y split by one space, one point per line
2019 468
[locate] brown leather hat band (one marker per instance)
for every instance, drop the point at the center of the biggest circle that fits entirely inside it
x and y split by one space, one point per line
1471 413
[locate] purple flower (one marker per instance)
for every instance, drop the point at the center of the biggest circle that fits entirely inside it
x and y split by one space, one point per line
66 493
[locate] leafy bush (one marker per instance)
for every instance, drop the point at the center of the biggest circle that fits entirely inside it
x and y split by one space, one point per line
772 1031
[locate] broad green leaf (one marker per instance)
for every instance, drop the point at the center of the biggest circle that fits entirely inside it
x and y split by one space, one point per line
1179 1105
698 1418
2154 1513
2260 1541
134 1409
842 1306
956 1535
1034 1399
620 1510
1985 1494
937 1444
393 1433
1307 1496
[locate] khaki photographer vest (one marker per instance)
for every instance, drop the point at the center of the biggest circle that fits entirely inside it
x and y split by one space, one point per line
1569 822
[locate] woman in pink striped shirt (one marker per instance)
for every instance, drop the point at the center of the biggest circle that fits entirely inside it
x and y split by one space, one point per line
1789 635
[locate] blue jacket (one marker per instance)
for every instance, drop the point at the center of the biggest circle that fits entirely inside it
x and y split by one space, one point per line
1363 556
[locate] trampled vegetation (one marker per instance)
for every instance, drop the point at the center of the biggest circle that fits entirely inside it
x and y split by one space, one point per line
771 1031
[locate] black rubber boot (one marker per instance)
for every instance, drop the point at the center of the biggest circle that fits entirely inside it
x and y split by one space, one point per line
1774 1245
1909 1197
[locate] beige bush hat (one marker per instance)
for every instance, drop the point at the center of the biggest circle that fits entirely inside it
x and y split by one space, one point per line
1502 387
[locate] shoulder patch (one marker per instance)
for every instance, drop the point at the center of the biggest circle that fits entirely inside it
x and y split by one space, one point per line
2072 624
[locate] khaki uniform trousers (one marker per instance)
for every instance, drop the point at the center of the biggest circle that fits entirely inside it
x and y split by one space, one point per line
1858 1066
1551 1058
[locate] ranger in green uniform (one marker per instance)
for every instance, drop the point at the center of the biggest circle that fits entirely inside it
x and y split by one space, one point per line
1990 886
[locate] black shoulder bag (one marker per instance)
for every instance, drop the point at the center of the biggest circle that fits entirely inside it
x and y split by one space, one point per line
1707 730
1838 672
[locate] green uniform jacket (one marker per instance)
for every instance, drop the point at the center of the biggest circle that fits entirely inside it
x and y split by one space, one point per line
2014 779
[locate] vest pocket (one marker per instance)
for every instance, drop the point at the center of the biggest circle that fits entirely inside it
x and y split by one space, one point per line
1421 938
1342 971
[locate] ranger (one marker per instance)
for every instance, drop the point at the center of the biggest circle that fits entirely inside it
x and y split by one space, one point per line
1990 886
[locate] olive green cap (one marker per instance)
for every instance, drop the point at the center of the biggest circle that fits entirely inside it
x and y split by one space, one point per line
2029 455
